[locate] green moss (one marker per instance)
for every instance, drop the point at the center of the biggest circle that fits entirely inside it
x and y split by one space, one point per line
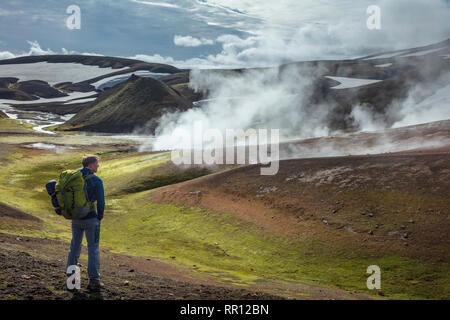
157 181
16 126
53 290
122 173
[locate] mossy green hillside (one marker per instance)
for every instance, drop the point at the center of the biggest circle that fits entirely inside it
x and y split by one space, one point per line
134 103
8 125
160 180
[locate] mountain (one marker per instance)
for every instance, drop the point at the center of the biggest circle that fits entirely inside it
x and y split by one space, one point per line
52 76
100 61
376 81
37 88
180 82
129 105
68 84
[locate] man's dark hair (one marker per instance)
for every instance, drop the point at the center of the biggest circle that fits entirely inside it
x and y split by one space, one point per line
88 159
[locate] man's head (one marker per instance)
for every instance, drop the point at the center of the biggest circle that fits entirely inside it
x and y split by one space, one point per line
90 161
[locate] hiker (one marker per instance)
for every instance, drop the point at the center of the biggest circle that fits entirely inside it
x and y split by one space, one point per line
89 224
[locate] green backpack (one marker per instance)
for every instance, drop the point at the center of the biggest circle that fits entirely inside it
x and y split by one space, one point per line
72 195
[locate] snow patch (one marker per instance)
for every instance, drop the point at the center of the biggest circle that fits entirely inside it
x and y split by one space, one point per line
385 65
81 100
346 83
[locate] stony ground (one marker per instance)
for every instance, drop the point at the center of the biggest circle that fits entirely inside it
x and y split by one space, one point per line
29 273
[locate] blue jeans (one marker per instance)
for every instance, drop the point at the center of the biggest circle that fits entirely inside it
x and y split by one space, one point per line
92 229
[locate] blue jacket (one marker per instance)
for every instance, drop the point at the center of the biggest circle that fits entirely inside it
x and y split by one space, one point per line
94 186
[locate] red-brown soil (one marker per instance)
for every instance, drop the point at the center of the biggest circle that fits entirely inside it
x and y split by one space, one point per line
388 203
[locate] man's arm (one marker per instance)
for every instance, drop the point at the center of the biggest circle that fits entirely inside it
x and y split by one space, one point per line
100 199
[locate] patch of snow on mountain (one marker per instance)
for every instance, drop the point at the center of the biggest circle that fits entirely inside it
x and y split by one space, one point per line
81 100
385 65
346 83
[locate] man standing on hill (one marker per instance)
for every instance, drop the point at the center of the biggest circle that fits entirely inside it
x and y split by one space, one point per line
89 224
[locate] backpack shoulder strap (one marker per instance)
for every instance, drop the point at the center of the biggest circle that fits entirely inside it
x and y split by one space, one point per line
86 177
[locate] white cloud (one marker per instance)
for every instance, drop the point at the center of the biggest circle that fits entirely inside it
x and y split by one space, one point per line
224 5
291 30
288 30
158 4
312 30
36 50
194 63
399 18
259 51
10 13
189 41
6 55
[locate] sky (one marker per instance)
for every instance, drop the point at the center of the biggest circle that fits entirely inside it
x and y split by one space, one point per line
220 33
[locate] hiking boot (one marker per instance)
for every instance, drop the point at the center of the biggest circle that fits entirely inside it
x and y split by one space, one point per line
95 285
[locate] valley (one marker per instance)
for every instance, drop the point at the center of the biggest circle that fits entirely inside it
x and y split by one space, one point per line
359 196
